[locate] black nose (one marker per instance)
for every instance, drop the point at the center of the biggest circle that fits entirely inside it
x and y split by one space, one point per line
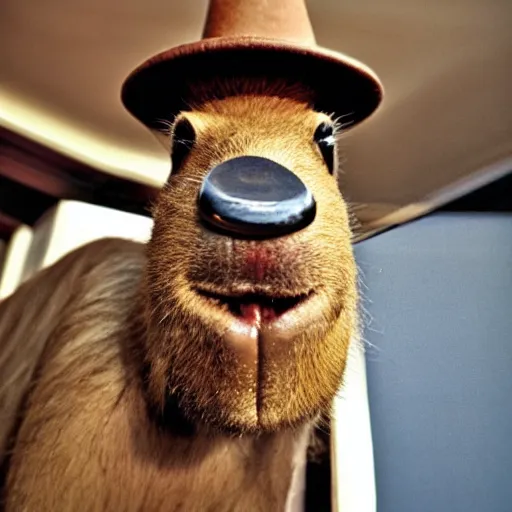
255 197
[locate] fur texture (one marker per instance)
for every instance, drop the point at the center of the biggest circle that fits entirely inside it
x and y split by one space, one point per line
117 388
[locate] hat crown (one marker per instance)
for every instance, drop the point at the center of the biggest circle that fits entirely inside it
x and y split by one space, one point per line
287 20
248 45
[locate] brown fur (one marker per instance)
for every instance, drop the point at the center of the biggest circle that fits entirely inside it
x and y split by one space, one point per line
126 395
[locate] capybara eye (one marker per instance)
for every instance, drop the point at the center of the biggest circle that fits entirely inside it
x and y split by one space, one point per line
325 140
183 138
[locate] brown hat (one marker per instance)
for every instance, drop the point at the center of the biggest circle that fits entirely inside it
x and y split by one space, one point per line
252 39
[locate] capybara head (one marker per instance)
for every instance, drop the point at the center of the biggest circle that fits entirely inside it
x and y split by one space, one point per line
251 281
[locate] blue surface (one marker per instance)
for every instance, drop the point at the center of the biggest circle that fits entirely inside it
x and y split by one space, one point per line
439 298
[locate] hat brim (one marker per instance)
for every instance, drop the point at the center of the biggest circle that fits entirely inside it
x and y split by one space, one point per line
162 86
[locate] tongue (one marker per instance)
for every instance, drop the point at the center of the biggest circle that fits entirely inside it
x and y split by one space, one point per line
254 314
251 313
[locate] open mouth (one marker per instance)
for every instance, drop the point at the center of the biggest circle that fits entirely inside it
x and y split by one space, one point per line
255 308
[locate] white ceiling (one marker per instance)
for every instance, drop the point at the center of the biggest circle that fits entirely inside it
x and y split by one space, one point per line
446 66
